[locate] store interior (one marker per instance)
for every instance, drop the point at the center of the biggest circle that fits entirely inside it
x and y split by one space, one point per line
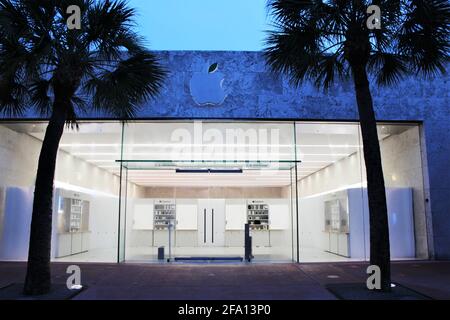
123 192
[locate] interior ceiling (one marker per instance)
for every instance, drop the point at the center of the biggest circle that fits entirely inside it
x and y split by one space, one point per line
318 146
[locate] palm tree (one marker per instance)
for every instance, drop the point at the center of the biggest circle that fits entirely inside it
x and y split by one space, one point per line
61 72
325 40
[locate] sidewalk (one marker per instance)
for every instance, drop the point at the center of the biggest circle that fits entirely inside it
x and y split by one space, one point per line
233 282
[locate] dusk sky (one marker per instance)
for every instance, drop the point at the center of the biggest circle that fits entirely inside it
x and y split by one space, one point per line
202 24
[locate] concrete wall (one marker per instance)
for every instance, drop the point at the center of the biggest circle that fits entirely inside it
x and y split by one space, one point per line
256 93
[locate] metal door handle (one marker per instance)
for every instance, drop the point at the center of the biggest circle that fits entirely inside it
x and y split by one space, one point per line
204 225
212 225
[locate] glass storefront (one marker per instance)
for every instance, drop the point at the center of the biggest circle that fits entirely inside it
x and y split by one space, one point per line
203 182
130 192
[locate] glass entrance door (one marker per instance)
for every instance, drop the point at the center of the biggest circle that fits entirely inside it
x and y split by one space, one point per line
203 208
211 222
215 174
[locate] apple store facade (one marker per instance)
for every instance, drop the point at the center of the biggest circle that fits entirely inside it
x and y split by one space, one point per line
230 161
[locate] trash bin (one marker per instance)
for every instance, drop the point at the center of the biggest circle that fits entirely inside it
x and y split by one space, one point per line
161 253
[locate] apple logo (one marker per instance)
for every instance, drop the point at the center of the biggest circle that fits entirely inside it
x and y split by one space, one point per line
207 87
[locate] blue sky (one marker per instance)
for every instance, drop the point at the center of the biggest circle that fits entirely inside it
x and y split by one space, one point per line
202 24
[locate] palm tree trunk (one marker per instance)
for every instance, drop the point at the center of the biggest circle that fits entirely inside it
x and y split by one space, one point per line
38 280
378 217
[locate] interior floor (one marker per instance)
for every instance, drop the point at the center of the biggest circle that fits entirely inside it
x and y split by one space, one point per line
149 254
263 253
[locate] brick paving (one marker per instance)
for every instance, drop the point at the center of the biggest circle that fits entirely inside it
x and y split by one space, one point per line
233 281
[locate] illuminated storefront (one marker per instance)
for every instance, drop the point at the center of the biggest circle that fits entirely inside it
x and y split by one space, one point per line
219 150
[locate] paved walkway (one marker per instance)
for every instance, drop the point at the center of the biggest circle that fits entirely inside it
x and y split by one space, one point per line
234 282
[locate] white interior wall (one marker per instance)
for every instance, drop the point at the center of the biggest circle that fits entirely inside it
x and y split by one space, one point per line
187 202
140 224
340 175
311 222
103 218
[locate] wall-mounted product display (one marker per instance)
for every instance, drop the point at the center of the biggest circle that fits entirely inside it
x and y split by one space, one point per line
164 222
75 213
164 213
259 222
73 235
258 215
337 226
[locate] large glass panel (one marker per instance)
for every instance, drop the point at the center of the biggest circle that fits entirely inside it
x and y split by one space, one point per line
199 183
333 203
295 232
123 207
239 172
85 196
330 196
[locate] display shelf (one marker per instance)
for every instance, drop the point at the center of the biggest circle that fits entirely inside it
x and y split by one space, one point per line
336 226
258 215
163 213
72 232
336 215
76 211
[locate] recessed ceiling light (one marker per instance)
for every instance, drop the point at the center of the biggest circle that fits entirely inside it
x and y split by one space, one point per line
324 154
100 160
330 145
